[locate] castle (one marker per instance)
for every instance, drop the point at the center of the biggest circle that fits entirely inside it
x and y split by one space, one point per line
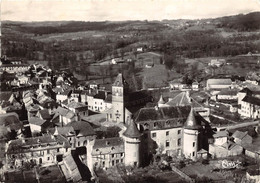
172 130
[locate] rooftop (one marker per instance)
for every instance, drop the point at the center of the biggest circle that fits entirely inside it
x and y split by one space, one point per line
192 122
239 134
108 145
82 128
132 131
252 100
223 81
31 144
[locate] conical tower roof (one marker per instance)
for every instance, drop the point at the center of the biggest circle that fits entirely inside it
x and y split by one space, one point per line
120 80
161 101
191 122
132 131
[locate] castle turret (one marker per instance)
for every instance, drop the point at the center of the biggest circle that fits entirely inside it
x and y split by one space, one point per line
190 136
132 145
119 89
161 102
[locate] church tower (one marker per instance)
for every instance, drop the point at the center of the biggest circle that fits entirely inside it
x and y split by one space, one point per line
132 145
190 136
119 90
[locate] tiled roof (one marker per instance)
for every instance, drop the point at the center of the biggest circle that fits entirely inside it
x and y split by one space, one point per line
162 113
219 81
4 96
100 95
229 145
33 143
82 128
252 100
36 121
65 130
220 134
10 120
44 114
181 99
108 146
239 135
71 165
132 131
228 92
64 112
75 105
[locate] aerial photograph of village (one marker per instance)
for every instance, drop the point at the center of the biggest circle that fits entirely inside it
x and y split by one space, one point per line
130 91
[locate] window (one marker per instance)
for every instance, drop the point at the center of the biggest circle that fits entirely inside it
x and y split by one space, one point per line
154 135
193 153
193 144
58 149
113 155
48 158
48 151
179 142
155 125
167 144
122 154
78 143
167 133
117 161
113 162
179 132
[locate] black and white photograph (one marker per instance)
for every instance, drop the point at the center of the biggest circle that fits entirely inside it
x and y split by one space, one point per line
129 91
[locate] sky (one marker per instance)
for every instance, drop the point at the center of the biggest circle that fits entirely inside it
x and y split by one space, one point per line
118 10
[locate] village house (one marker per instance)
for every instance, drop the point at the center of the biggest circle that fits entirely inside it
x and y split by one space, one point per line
220 137
250 107
229 148
242 138
70 169
39 150
109 152
63 116
217 62
62 95
218 84
76 132
78 108
100 101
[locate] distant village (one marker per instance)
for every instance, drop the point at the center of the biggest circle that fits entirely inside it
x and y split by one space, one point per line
49 122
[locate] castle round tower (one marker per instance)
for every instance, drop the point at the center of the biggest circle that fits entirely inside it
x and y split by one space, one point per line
190 136
132 145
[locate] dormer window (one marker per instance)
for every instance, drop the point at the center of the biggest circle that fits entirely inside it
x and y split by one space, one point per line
112 148
146 126
155 124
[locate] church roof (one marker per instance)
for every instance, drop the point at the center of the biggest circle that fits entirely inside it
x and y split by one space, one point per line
120 80
132 131
191 122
